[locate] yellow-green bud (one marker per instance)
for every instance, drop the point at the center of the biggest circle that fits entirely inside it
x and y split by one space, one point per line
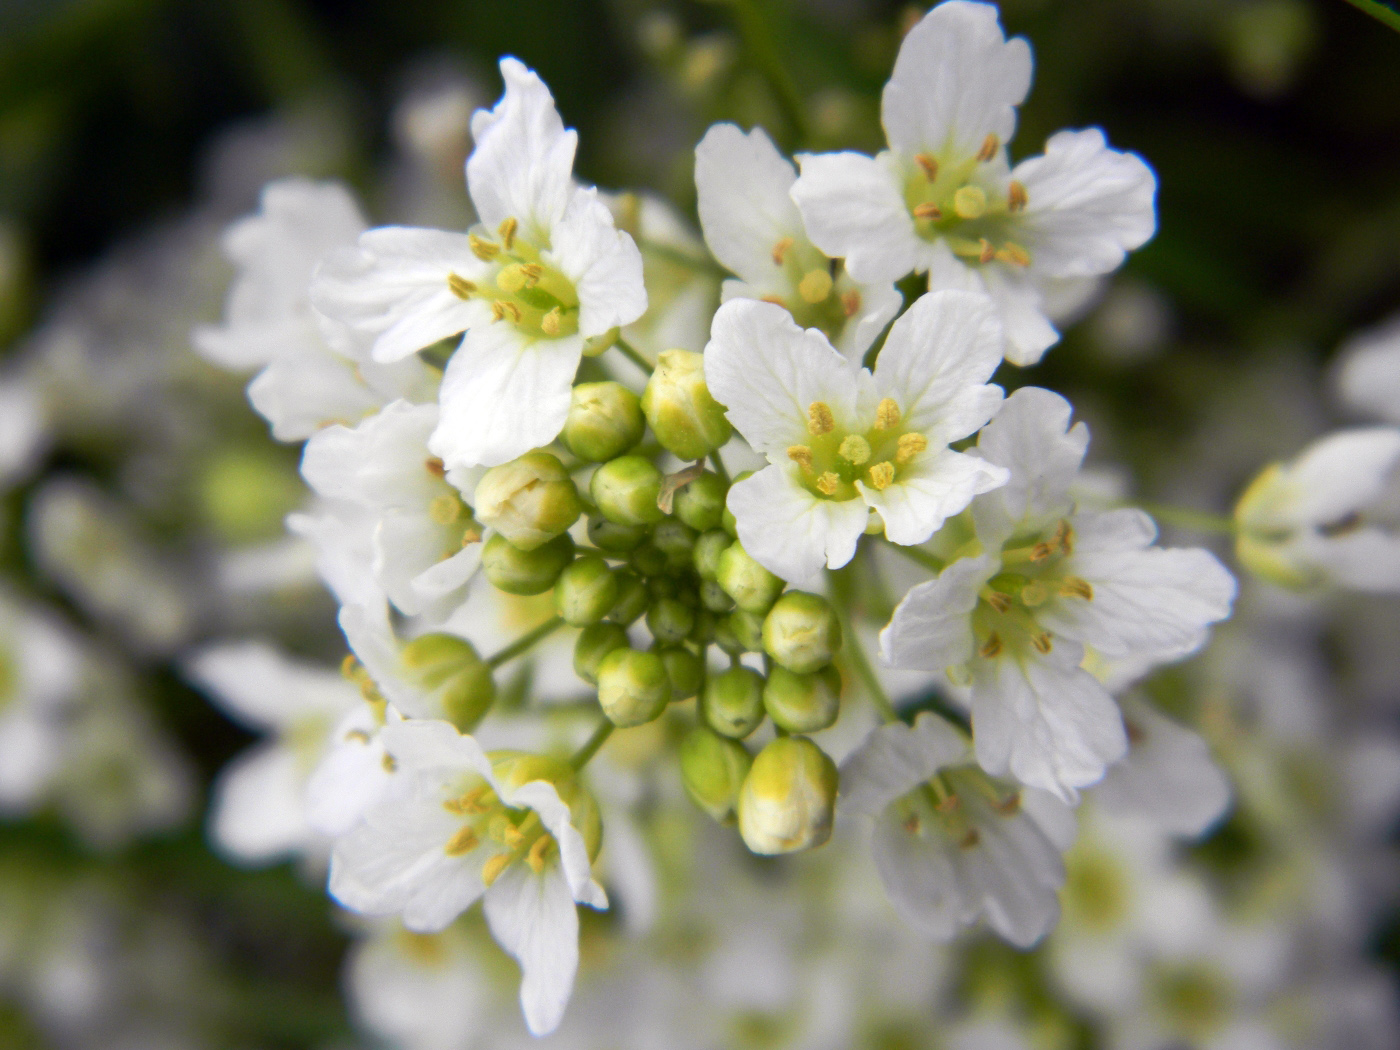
669 621
632 598
713 769
593 644
684 417
517 571
585 592
625 490
725 638
677 542
684 670
633 687
747 627
662 587
449 667
703 633
732 704
700 504
605 420
753 588
707 550
713 598
788 797
801 632
529 500
614 538
802 703
648 559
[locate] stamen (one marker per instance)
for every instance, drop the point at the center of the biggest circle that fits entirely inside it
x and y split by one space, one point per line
535 858
780 250
970 202
1043 642
1014 254
464 841
991 647
388 763
819 418
887 414
501 309
533 272
358 735
445 509
850 303
507 231
998 601
491 870
1074 587
511 279
928 211
802 456
881 476
552 322
990 145
1008 806
929 163
460 286
828 483
1016 199
1034 593
910 445
350 667
1064 536
514 837
854 449
470 536
776 300
436 467
1042 550
815 287
483 249
988 253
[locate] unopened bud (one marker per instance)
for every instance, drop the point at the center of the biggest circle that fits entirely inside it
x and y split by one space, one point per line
585 592
625 490
517 571
802 703
747 628
801 632
708 548
703 633
788 797
714 598
449 667
732 704
684 417
593 644
633 687
649 560
713 769
677 542
605 420
753 588
614 538
632 598
669 621
684 670
529 500
700 504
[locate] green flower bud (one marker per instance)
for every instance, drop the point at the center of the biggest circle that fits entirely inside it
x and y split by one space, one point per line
633 687
676 542
788 797
703 633
725 637
669 621
684 417
713 598
625 490
614 538
684 670
801 632
605 420
449 667
662 587
713 769
586 591
700 504
747 628
632 598
802 703
516 571
753 588
687 595
529 500
593 644
648 559
732 703
707 550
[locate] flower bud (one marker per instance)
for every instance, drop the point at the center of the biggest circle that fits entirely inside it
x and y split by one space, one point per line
625 490
648 559
725 638
449 667
593 644
801 632
802 703
517 571
585 592
633 687
747 628
713 769
732 704
708 548
529 500
677 542
669 621
700 504
632 598
788 797
713 598
753 588
662 587
614 538
605 420
684 670
684 417
703 633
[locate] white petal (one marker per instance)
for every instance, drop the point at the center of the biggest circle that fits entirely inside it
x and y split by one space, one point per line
1369 375
602 261
1342 473
879 303
543 798
919 877
957 79
343 554
742 184
788 530
853 207
1367 559
1017 872
533 918
522 166
265 689
896 758
410 547
502 396
930 490
350 778
422 744
379 463
1089 205
1025 317
1031 437
931 629
303 392
258 813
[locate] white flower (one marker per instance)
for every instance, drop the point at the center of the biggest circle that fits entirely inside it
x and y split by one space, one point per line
451 829
843 442
1050 580
952 845
1332 515
1369 377
944 199
755 230
544 272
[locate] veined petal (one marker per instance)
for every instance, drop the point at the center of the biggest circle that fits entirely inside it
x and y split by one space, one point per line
853 207
502 396
956 80
930 490
742 184
533 918
1017 872
896 758
602 261
788 530
922 883
543 798
350 778
523 163
879 303
1031 436
1024 316
931 629
378 463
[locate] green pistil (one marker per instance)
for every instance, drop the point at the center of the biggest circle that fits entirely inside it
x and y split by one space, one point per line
1033 575
950 203
822 296
833 459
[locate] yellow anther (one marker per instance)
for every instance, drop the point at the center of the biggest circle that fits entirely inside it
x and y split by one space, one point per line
776 300
780 250
928 163
987 253
819 418
948 803
928 211
1008 806
483 249
998 601
970 202
850 303
909 446
1074 587
507 231
470 536
514 837
881 475
990 145
1042 550
535 858
491 870
801 455
1042 642
828 483
854 449
464 841
460 286
1034 593
368 690
1064 536
388 763
991 648
533 272
1016 199
445 509
477 800
815 287
1014 254
552 322
359 736
501 309
436 467
350 667
970 839
511 278
887 414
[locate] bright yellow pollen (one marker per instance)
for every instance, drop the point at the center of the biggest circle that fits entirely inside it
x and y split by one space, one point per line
970 202
991 647
511 279
350 667
815 286
460 286
470 536
887 414
535 858
881 475
491 870
1074 587
1042 642
910 445
990 145
464 841
552 322
828 483
854 449
388 763
483 249
928 164
1016 198
507 230
850 303
776 300
801 455
1014 254
819 418
780 250
501 309
514 837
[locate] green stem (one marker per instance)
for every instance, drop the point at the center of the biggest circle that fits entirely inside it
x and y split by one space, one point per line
1380 11
865 671
930 561
759 42
590 747
629 352
1186 518
525 642
666 253
719 467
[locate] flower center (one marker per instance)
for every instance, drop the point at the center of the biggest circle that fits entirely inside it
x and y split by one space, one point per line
822 295
508 835
523 290
952 802
1033 573
834 459
949 202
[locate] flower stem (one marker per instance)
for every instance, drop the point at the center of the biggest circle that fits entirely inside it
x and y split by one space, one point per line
932 562
759 42
525 642
1186 518
630 352
719 467
860 663
590 746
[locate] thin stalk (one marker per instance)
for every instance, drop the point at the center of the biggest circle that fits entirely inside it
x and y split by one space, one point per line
932 562
590 746
719 467
525 642
629 352
1186 518
759 42
866 672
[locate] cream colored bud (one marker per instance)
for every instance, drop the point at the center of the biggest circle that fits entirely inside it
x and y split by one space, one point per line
529 500
801 632
633 687
449 668
788 798
605 420
713 769
684 417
